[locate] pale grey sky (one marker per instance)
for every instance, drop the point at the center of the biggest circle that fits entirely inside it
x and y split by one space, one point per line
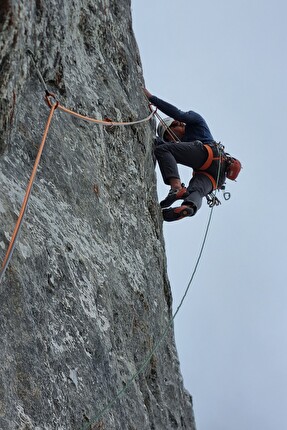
227 60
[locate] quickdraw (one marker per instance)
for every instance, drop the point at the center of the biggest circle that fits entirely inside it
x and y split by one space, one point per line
212 200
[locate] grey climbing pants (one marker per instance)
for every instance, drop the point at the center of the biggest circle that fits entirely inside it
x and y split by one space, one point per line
190 154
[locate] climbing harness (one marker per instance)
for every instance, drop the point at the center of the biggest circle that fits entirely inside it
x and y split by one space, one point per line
232 166
211 158
53 104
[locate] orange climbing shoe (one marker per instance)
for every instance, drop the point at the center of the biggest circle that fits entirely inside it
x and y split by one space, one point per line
175 214
173 195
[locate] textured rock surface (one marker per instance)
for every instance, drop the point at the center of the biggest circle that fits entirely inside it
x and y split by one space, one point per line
86 294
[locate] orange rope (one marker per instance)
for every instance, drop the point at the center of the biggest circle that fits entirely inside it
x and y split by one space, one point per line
27 194
53 106
99 121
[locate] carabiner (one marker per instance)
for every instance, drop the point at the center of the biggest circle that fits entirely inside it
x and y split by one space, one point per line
226 195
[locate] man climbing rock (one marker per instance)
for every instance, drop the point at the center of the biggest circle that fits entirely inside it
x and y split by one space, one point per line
184 138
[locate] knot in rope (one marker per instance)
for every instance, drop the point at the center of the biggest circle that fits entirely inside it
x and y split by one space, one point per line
48 101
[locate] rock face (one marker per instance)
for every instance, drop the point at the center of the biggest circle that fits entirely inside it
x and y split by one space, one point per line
86 296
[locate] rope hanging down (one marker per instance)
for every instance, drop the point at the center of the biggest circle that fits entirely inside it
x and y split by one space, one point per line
145 362
161 338
53 105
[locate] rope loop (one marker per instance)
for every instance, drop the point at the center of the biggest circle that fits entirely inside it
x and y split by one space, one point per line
48 101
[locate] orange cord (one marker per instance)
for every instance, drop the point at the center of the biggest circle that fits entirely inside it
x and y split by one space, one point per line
53 106
28 192
106 122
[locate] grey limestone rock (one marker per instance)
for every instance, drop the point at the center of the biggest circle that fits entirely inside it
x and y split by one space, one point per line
86 296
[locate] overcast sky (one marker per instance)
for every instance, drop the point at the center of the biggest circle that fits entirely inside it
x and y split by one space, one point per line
227 60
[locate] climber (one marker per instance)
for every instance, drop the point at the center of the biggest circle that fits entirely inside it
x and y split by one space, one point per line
185 138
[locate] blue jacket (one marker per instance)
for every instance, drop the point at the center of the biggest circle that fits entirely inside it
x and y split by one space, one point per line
196 127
